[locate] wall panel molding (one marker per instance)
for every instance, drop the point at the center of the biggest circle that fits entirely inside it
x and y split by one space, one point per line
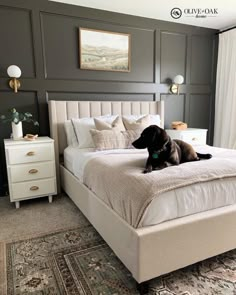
200 110
100 96
16 40
202 52
61 50
173 55
174 108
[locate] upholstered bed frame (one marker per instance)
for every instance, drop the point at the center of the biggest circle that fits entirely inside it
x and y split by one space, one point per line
150 251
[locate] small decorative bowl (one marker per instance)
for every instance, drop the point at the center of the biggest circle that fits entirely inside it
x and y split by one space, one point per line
30 137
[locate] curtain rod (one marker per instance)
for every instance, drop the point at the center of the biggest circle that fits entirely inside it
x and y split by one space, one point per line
225 30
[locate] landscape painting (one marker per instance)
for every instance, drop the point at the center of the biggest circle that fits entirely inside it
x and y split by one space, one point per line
103 50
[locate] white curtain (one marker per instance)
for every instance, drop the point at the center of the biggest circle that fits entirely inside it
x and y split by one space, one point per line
225 105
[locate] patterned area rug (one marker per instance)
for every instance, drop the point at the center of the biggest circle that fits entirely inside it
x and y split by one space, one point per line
79 262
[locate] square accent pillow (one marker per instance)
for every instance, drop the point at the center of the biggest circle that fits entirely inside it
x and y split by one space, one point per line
116 125
139 124
154 119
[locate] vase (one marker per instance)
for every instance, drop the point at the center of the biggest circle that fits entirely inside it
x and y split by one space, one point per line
17 131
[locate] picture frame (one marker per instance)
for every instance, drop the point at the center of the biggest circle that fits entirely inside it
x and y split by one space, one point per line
104 50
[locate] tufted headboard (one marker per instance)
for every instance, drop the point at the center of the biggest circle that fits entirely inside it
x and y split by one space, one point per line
60 111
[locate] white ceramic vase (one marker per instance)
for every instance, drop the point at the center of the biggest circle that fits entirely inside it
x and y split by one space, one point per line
17 131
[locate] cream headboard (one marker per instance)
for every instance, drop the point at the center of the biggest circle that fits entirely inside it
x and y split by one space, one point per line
60 111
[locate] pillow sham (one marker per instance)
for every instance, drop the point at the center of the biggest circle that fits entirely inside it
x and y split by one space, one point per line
110 139
82 127
154 119
70 134
139 124
116 125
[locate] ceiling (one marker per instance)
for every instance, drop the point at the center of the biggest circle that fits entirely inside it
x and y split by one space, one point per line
160 9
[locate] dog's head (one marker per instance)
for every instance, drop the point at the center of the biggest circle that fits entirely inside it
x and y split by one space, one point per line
152 137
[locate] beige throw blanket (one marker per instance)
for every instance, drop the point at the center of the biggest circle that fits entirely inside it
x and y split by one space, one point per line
118 180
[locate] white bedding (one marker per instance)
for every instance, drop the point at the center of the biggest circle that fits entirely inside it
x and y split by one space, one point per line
169 205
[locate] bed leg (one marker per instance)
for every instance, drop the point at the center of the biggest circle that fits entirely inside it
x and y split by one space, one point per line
142 288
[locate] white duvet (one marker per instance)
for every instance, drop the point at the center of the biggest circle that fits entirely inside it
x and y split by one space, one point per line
172 204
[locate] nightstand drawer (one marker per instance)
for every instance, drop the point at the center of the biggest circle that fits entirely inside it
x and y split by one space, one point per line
31 153
195 137
33 188
33 171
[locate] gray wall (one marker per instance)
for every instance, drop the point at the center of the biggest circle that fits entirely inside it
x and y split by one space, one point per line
41 37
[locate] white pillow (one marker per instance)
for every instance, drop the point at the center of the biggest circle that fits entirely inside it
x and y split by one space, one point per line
82 127
70 134
154 119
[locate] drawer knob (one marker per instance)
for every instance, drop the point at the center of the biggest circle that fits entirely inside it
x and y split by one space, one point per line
194 138
34 188
32 171
30 154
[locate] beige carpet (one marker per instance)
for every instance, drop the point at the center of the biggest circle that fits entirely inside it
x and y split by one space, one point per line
36 216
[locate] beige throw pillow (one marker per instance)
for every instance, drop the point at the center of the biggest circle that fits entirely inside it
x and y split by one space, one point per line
139 124
116 125
109 139
130 136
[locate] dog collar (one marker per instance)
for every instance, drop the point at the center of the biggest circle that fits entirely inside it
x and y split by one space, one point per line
155 155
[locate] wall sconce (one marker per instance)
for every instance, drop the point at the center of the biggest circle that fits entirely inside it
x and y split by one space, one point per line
14 72
178 80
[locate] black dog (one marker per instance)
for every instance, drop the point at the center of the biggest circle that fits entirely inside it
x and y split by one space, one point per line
163 151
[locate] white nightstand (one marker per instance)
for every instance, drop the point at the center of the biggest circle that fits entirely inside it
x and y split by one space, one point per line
30 169
189 135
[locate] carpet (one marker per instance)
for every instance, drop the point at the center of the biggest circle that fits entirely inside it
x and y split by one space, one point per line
37 216
77 261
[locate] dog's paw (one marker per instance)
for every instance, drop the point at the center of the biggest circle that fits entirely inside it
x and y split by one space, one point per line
147 171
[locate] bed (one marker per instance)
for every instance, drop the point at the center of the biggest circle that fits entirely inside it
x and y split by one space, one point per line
151 250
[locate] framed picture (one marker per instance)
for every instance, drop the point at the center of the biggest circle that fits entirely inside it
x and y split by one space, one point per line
104 51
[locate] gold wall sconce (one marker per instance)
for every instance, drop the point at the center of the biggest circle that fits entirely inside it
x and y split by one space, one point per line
14 72
178 80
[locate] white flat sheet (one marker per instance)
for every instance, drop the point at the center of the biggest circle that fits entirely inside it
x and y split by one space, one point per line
169 205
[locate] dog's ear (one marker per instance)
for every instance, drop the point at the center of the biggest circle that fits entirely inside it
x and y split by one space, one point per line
159 136
164 135
156 136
